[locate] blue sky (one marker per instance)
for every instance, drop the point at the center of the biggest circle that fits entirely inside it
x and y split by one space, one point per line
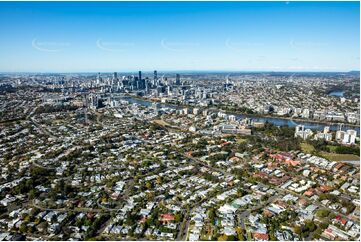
130 36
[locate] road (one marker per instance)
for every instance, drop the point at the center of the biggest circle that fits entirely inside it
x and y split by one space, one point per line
199 162
182 230
45 131
242 214
83 210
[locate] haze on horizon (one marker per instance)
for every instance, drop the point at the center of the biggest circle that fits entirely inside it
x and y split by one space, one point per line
171 36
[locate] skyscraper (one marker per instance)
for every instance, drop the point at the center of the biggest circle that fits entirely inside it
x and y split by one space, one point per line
99 79
155 75
177 79
140 75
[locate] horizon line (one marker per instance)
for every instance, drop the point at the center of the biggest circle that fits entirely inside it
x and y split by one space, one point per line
171 71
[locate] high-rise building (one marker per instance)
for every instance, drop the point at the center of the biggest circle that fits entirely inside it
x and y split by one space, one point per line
140 75
352 136
114 81
99 79
177 79
146 85
339 135
306 113
326 129
155 75
302 133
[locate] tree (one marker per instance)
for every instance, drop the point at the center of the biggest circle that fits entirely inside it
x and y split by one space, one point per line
31 229
317 233
297 229
240 234
311 225
322 213
178 217
223 237
104 199
272 235
348 150
159 180
148 185
211 214
231 238
31 194
23 228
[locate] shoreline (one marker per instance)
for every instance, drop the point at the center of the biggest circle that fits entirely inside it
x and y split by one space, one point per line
297 119
250 115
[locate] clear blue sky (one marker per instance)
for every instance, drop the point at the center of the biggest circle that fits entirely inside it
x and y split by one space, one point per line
123 36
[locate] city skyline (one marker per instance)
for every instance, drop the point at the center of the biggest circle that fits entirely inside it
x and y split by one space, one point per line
180 121
180 36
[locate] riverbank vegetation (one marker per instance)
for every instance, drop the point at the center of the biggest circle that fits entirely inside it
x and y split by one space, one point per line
334 152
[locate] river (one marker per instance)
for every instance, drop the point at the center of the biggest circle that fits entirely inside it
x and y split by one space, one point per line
337 93
274 120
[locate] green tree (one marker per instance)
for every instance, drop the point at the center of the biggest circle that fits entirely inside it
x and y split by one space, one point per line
322 213
223 237
23 228
297 229
240 234
148 185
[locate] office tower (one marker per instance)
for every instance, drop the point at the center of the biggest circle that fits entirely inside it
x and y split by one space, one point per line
198 93
114 81
99 79
125 82
85 109
306 113
346 138
177 79
140 75
146 86
93 101
155 75
339 135
142 84
352 136
119 86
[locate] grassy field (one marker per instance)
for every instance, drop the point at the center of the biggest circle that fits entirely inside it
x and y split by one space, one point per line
340 157
161 122
307 148
332 148
240 140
